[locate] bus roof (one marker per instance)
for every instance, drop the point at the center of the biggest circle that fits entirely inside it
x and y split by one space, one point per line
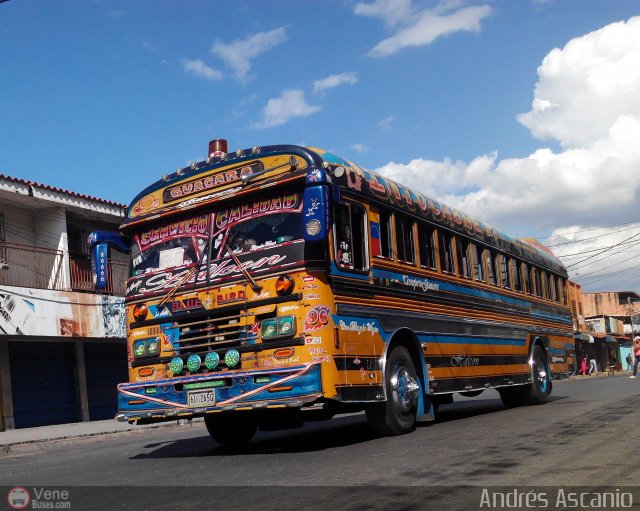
224 175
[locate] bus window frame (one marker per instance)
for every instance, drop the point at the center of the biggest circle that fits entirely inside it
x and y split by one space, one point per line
429 249
366 253
386 233
479 274
505 276
399 218
447 238
462 257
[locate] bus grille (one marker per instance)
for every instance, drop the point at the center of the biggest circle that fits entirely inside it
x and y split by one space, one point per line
212 332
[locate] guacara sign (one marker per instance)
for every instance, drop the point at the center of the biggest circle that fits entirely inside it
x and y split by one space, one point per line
188 188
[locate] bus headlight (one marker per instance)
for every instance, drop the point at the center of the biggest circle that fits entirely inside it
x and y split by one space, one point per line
193 363
280 327
286 325
139 349
176 365
145 347
152 346
269 328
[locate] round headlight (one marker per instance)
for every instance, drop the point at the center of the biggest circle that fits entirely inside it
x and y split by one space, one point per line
212 360
176 365
193 363
231 358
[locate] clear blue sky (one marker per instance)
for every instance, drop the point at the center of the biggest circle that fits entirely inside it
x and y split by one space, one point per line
103 97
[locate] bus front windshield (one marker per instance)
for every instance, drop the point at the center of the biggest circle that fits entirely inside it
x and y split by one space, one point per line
267 229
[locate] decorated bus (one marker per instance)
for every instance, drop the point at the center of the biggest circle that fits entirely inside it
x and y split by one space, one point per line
281 284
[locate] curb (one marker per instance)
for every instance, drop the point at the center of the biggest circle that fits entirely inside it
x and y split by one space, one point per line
16 447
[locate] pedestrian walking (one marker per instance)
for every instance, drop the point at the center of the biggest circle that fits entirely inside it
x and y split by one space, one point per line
583 366
593 367
636 353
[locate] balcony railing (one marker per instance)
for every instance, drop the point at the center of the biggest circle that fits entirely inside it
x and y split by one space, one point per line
42 268
82 276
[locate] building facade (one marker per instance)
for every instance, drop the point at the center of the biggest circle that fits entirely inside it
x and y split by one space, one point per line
62 345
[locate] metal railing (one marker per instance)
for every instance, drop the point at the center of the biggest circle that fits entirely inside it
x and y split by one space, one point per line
42 268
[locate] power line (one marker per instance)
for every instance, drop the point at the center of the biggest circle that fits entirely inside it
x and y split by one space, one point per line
587 230
593 237
603 251
578 254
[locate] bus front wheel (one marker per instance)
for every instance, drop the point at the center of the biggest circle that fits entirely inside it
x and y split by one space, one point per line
397 415
231 430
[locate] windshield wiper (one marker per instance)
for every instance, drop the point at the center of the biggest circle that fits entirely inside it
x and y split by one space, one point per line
251 281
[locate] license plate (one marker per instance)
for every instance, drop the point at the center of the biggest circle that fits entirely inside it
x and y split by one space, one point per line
201 398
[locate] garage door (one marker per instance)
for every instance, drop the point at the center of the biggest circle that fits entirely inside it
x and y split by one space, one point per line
43 383
106 366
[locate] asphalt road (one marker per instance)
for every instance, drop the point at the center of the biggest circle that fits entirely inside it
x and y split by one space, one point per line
586 436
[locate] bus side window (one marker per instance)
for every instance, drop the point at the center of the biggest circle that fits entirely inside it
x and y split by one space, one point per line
462 256
562 296
517 274
446 252
504 272
426 246
478 267
535 273
385 234
351 252
404 239
528 283
491 266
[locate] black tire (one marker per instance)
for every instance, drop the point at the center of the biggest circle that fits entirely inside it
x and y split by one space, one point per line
397 415
515 396
540 377
535 393
231 430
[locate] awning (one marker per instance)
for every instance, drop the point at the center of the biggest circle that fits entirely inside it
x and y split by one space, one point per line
584 337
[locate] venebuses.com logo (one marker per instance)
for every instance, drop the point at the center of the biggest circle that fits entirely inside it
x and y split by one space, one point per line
19 497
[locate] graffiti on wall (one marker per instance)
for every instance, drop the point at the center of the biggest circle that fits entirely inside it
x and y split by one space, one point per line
42 312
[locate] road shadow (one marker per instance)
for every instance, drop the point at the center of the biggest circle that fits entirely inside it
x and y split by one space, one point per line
315 436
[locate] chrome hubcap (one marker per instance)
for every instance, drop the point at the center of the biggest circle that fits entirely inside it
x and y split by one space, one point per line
404 388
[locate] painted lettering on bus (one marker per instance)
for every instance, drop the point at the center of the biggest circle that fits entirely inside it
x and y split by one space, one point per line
230 297
228 217
194 225
194 186
167 280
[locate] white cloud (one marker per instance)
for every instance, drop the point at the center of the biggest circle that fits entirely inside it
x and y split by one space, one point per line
239 53
386 124
359 148
199 69
289 105
600 258
423 27
333 81
392 12
587 100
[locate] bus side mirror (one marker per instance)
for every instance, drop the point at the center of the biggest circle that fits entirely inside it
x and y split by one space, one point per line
100 241
315 213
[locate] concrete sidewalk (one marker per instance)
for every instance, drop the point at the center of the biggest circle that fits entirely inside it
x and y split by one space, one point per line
11 439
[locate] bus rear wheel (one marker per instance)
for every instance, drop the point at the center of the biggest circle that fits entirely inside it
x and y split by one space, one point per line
231 429
540 378
535 393
397 415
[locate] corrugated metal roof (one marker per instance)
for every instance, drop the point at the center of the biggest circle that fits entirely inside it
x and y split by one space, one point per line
61 191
